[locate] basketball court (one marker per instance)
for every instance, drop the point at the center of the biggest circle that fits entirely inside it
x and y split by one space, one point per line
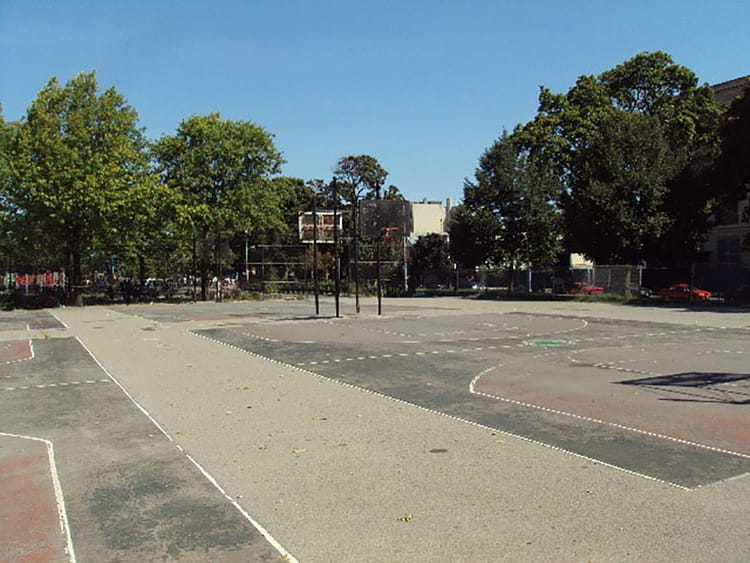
666 402
143 433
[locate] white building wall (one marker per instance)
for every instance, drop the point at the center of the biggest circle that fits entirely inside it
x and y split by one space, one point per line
430 217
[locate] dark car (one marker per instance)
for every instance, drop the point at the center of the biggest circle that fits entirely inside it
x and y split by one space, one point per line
682 292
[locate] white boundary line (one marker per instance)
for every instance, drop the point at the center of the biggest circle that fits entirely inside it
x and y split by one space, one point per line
475 380
450 416
282 551
473 391
62 514
26 359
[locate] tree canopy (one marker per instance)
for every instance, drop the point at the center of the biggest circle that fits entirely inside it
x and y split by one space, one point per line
77 177
221 172
358 177
508 210
618 142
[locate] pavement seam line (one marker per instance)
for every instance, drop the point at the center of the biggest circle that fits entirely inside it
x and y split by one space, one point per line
282 551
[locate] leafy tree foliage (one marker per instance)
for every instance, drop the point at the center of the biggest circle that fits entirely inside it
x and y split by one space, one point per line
512 197
295 197
429 253
77 180
662 120
221 171
390 193
615 206
358 177
473 231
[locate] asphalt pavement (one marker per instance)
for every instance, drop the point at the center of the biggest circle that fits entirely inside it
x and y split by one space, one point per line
206 432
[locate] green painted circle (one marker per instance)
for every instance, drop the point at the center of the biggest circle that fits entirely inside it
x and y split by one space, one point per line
548 342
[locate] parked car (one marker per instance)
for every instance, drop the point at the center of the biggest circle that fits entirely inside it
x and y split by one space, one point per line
580 288
681 292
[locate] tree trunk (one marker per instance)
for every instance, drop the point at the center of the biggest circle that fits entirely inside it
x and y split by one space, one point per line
204 267
76 296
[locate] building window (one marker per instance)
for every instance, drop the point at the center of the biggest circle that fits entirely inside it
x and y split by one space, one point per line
728 249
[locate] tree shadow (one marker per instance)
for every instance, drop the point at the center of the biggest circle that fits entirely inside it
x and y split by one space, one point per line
698 387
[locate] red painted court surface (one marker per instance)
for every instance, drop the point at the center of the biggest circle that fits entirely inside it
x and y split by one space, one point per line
30 526
15 351
688 392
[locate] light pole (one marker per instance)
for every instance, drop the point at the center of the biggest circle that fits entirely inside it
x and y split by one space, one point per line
247 270
337 261
379 234
315 252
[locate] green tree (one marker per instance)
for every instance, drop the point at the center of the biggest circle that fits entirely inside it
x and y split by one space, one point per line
676 123
514 188
221 171
357 177
390 193
6 212
473 231
78 179
430 253
295 197
615 206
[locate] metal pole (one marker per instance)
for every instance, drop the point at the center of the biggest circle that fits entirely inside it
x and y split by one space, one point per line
247 270
337 262
406 266
218 269
315 253
379 235
356 255
380 290
195 267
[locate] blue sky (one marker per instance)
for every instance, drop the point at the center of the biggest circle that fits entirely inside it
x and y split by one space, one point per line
423 86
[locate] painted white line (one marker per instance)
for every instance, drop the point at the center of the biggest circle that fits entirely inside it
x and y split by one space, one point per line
269 538
475 380
449 416
27 358
62 514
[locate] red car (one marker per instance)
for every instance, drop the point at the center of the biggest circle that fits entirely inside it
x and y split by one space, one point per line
580 288
681 292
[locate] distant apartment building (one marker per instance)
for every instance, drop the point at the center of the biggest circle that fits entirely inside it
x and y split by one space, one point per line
430 217
725 241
